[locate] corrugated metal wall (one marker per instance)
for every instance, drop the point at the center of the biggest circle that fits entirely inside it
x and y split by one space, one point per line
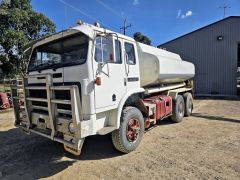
215 61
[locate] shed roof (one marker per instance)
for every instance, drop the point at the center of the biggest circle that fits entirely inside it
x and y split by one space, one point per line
212 24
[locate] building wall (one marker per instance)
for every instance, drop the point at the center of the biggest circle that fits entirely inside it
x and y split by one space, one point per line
215 61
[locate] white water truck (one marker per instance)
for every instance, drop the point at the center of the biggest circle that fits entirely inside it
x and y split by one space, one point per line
88 80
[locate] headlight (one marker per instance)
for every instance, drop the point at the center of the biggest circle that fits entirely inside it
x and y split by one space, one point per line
71 127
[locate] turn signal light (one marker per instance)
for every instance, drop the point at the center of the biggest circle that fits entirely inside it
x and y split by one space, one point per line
98 81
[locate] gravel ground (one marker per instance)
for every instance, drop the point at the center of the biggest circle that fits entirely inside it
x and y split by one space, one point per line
204 146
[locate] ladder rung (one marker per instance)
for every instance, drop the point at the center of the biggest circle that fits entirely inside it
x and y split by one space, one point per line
61 87
18 98
36 99
17 87
36 87
60 101
64 111
40 108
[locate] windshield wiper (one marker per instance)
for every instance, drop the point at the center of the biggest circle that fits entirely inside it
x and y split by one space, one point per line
49 64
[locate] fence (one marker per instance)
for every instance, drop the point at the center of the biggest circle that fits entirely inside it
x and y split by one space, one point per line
6 83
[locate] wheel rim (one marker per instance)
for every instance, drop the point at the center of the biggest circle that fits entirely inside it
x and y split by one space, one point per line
133 128
181 109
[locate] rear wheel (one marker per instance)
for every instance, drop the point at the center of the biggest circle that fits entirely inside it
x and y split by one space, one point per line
178 109
129 135
188 104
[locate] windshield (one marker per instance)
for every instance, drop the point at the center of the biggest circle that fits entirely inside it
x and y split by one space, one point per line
68 51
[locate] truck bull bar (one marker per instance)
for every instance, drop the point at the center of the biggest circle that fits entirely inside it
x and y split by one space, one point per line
73 142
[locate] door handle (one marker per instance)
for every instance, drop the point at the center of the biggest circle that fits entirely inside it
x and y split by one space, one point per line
114 97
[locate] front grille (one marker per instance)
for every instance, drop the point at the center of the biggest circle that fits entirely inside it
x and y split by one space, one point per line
61 95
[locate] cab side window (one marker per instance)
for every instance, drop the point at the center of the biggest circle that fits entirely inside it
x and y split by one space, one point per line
104 49
130 53
118 56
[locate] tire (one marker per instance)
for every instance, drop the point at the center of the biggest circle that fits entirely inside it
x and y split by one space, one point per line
188 99
130 116
178 109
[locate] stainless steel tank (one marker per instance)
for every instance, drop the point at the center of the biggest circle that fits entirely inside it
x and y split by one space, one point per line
159 66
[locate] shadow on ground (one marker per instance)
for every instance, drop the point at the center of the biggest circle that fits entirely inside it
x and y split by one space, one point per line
33 157
216 118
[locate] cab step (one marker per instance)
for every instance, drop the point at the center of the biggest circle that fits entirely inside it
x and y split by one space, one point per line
106 130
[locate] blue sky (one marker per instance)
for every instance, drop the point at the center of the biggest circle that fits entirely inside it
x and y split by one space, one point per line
160 20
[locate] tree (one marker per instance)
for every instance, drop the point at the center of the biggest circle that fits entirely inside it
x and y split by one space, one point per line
141 38
19 25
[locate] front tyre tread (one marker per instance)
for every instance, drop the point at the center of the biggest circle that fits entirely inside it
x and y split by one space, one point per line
119 135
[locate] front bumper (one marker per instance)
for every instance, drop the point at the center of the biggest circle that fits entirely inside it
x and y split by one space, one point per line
48 118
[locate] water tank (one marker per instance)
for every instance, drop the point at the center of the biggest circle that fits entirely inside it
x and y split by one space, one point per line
159 66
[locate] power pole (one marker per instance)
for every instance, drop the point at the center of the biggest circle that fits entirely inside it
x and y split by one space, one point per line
125 26
224 7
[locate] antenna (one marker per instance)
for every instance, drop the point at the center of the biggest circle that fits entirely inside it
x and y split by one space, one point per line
224 7
125 26
65 15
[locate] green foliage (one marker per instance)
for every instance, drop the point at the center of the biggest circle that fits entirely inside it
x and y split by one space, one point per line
19 24
139 37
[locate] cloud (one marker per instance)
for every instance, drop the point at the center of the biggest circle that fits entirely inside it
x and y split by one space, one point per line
179 13
135 2
189 13
184 15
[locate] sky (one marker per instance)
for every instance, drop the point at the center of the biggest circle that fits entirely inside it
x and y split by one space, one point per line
160 20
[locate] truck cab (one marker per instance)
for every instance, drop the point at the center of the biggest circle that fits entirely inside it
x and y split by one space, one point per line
100 64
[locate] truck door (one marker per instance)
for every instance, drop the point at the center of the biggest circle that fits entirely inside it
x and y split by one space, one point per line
109 68
132 65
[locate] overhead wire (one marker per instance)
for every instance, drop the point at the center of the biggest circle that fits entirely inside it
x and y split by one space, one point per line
110 9
78 10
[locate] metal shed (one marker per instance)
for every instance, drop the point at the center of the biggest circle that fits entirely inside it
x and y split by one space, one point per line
215 51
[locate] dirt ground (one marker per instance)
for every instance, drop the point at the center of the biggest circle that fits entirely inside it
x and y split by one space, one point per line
204 146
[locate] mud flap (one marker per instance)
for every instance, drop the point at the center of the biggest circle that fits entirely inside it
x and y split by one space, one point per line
74 151
71 150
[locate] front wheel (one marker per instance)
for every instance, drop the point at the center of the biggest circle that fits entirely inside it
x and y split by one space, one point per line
131 130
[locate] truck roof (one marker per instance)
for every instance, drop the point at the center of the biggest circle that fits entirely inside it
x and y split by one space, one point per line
103 30
85 28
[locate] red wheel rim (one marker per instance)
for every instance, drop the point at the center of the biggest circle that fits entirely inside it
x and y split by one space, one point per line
133 128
